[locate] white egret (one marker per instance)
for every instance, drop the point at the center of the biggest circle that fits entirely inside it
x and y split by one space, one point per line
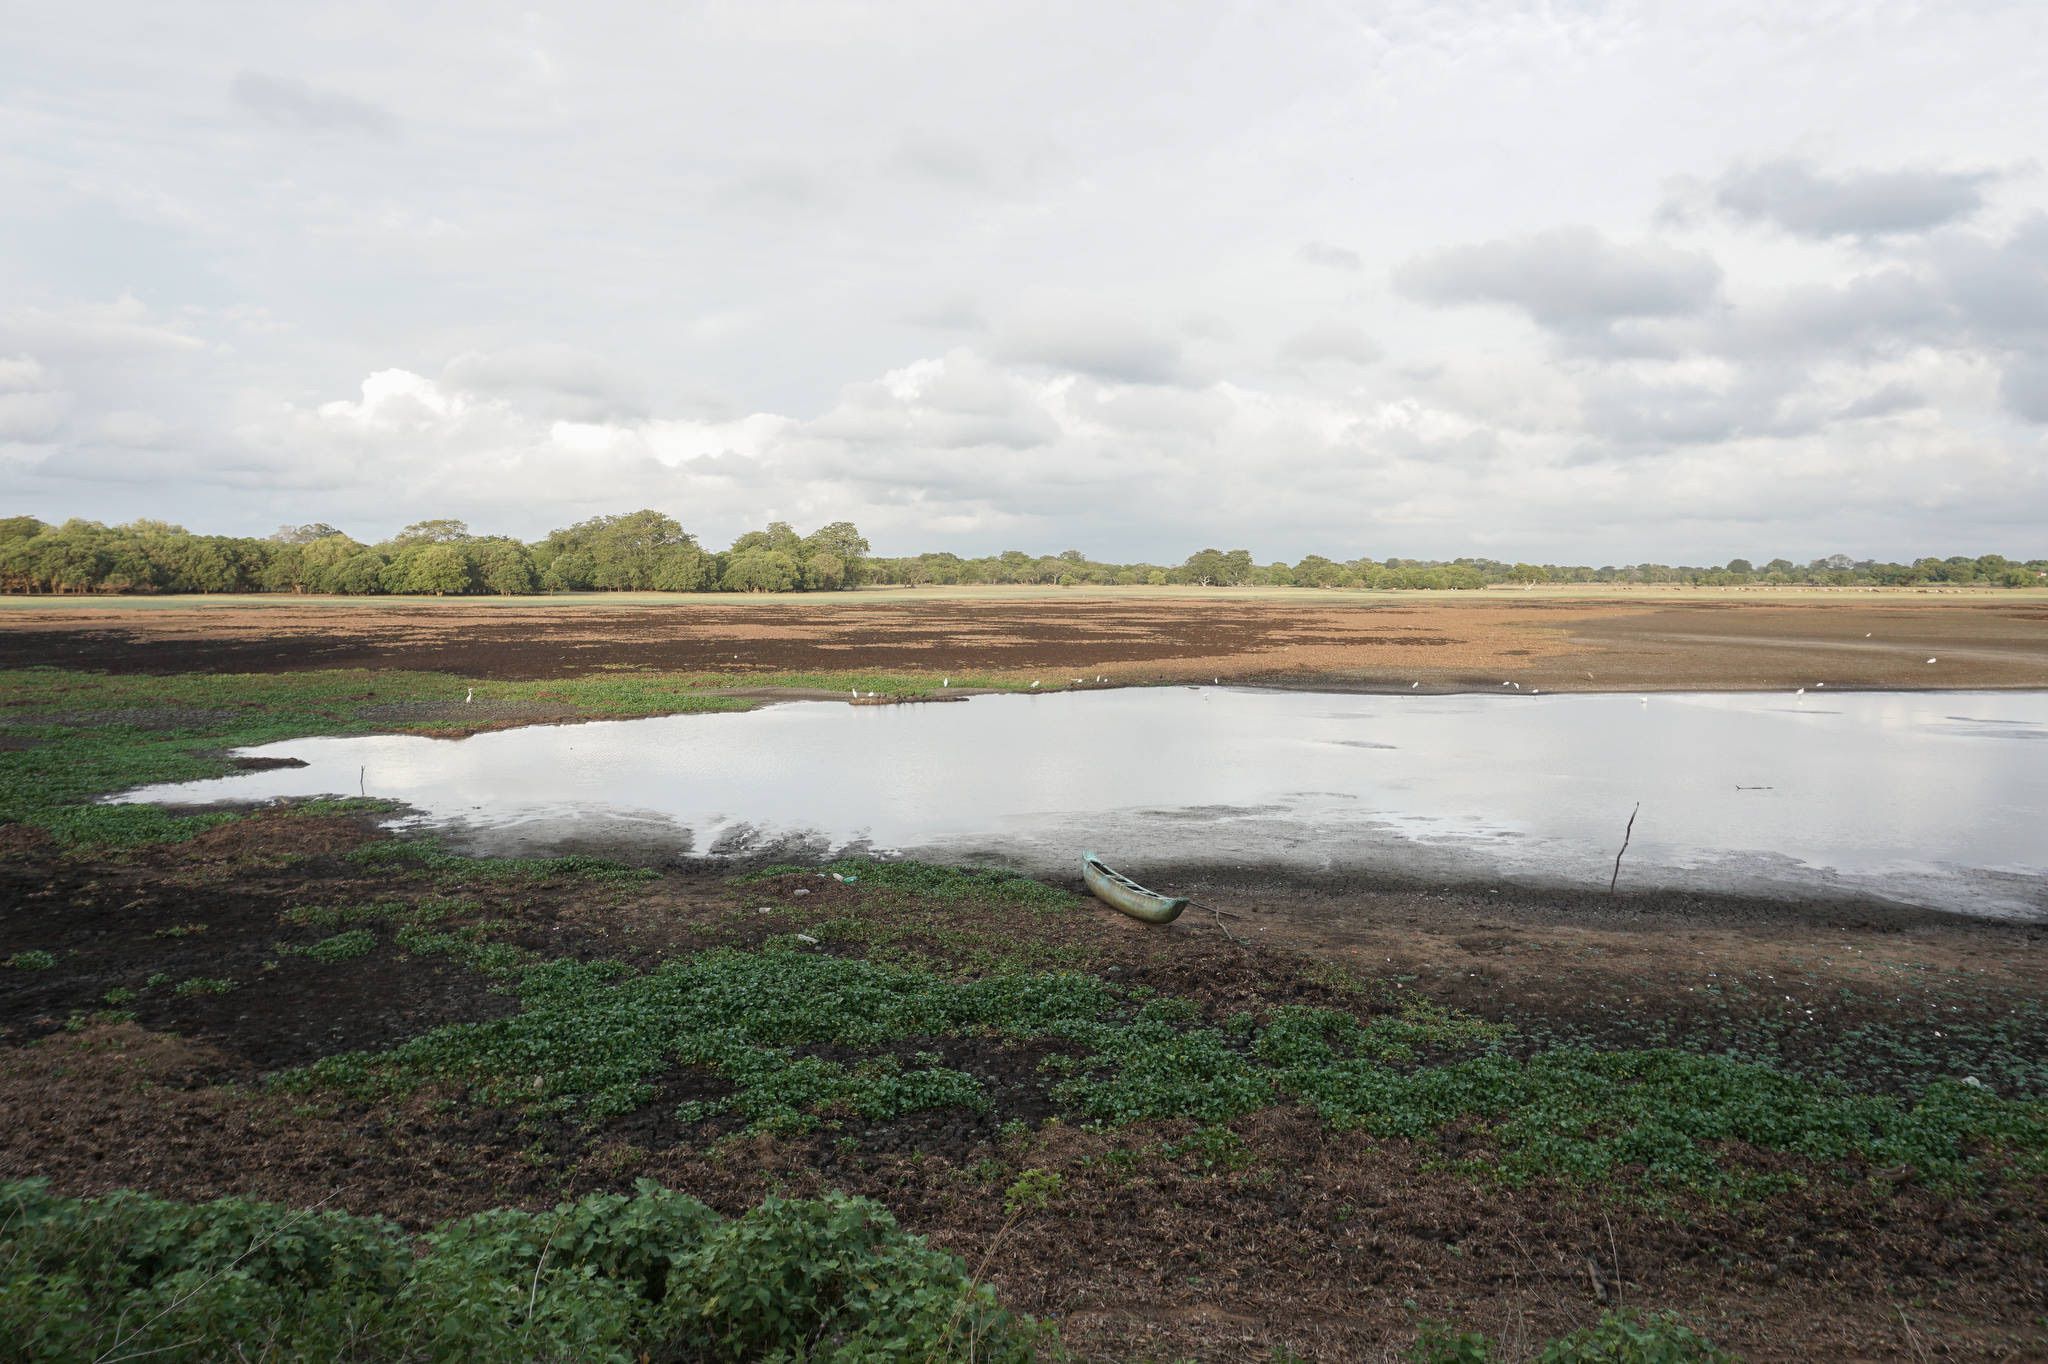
1934 660
469 698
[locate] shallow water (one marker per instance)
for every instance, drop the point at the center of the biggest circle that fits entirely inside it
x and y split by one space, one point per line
1938 799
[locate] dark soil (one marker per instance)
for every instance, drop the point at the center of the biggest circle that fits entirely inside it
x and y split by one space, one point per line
1329 1243
1441 641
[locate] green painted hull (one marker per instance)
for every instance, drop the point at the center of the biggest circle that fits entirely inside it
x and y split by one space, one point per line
1121 892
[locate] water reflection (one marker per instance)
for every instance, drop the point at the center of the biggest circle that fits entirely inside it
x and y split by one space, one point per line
1937 798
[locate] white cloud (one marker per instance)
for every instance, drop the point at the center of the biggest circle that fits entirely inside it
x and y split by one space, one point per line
1568 279
1810 202
975 277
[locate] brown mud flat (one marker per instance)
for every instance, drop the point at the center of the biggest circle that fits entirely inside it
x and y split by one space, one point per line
1440 641
1329 1243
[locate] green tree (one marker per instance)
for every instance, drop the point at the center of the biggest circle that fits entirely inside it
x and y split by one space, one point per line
430 570
442 532
306 534
841 541
505 567
759 570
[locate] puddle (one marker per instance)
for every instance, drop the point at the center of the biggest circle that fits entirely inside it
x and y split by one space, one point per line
1938 799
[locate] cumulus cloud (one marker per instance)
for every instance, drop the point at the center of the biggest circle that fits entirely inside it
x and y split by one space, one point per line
1569 280
291 103
1808 202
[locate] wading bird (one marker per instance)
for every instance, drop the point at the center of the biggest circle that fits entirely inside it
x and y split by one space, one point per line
469 698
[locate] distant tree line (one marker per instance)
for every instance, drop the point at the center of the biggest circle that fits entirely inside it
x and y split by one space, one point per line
643 551
647 551
1235 568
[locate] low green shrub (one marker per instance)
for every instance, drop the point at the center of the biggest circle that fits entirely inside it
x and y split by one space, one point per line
34 959
609 1278
205 985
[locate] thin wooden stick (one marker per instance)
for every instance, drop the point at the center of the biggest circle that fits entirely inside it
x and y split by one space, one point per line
1614 879
1223 927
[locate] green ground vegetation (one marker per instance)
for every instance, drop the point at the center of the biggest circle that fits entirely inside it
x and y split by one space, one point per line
609 1278
797 1038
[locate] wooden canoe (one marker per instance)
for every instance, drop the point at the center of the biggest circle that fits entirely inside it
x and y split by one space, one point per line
1121 892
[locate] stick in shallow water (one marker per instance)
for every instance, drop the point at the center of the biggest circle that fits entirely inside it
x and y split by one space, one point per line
1625 833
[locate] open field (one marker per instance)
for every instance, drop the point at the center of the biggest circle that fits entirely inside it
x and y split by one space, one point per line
1553 639
1816 1130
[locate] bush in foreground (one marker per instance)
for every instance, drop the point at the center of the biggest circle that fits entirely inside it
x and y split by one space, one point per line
657 1275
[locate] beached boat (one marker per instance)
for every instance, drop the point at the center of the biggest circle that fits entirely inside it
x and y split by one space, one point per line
1115 889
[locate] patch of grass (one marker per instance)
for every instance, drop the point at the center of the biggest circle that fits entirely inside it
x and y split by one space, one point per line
592 1037
205 985
429 909
97 828
471 946
426 855
179 931
930 882
356 942
34 959
805 1039
319 806
609 1278
1617 1338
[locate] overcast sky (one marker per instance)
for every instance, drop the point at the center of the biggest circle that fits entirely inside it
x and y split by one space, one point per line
1585 282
